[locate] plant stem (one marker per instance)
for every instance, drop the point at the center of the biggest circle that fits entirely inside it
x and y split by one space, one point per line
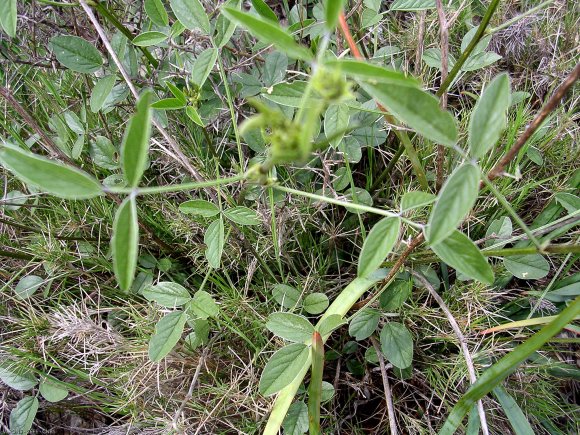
175 187
315 386
389 168
463 57
351 205
529 250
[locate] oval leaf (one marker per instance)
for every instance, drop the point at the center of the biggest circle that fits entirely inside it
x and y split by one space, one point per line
166 293
167 333
22 415
199 207
146 39
416 108
28 285
527 266
269 33
378 245
191 14
283 367
459 252
76 53
156 12
242 216
203 305
51 391
136 141
286 295
364 323
53 177
203 66
455 200
362 70
214 240
100 92
315 303
397 344
489 118
291 327
125 243
296 420
17 377
8 15
416 199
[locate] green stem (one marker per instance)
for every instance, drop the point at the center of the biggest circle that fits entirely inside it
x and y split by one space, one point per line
59 4
517 18
15 255
463 57
315 386
175 187
388 169
351 205
115 22
506 205
553 249
411 154
494 375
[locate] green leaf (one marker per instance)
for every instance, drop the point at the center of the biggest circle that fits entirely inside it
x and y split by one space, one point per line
52 177
480 60
203 66
264 10
135 146
495 374
156 12
397 344
275 66
364 323
52 391
167 333
104 153
315 303
296 420
166 293
459 252
502 229
200 334
193 115
291 327
269 33
224 27
146 39
17 377
416 199
22 416
203 305
532 266
332 10
286 295
28 285
489 117
101 91
8 15
288 94
242 216
372 73
283 367
395 295
412 5
214 240
125 243
416 108
513 412
168 104
569 201
457 197
432 57
378 245
199 207
191 14
76 53
336 121
177 93
328 324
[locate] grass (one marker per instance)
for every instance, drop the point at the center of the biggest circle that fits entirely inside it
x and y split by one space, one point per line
81 331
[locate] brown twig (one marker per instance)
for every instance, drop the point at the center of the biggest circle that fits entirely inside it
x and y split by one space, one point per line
549 107
386 387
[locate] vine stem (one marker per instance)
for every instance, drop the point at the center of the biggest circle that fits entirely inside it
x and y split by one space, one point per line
444 36
175 187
